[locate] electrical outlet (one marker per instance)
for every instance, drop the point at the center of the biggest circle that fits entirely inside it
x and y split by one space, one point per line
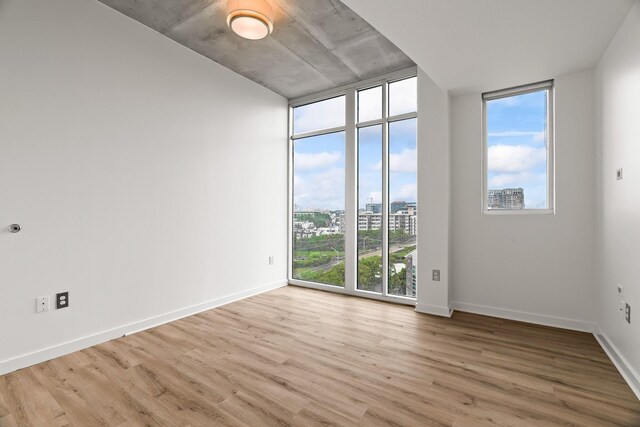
435 275
627 313
42 304
619 288
271 260
619 174
62 300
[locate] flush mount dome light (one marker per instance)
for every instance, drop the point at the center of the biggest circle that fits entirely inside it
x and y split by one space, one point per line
251 19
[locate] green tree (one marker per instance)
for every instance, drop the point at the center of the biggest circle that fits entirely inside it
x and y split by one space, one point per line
370 273
332 276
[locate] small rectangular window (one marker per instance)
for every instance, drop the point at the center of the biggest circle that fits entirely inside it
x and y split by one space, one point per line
320 115
518 149
403 96
370 104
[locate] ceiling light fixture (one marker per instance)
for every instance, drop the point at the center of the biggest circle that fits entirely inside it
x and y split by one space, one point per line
251 19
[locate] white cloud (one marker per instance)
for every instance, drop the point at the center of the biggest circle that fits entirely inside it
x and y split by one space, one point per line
522 179
405 161
321 115
540 137
510 101
403 98
323 190
537 137
510 133
370 104
406 192
515 158
309 161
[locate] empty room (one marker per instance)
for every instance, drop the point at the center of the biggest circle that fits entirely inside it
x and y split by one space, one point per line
319 213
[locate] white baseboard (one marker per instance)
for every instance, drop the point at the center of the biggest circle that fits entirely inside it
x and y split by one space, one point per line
629 374
435 310
49 353
523 316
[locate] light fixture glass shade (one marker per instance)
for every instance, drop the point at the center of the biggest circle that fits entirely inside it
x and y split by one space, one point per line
251 19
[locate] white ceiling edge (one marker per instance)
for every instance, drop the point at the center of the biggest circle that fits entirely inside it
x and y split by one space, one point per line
470 46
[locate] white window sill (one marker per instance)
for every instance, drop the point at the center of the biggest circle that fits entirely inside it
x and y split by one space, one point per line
500 212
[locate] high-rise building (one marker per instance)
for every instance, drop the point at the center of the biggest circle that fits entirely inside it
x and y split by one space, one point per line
411 273
400 221
397 206
369 221
506 198
375 208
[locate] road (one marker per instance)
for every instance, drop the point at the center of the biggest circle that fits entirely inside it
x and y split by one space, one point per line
361 255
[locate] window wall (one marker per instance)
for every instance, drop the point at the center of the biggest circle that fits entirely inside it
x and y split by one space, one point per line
354 189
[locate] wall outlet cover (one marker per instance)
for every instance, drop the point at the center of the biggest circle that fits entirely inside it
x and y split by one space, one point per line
62 300
619 174
627 313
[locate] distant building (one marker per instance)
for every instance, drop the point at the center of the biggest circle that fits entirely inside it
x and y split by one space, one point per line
411 274
407 221
404 221
397 206
369 221
374 207
404 207
398 221
304 227
506 198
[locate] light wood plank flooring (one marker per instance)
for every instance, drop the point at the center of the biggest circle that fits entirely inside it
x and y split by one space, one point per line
302 357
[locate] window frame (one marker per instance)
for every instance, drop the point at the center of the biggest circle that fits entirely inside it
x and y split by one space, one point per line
351 179
549 87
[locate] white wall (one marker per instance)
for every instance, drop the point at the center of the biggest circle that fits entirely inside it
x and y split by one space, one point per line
618 214
433 196
146 178
535 268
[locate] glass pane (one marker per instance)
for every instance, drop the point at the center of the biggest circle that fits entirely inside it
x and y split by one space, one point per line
403 96
370 104
325 114
403 210
318 197
370 208
517 152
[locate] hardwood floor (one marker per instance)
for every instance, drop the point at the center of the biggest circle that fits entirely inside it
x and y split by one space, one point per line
302 357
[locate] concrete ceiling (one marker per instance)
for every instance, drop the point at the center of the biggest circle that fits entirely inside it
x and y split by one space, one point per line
315 45
480 45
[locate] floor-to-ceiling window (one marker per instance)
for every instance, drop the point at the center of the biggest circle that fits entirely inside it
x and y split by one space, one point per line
318 191
354 189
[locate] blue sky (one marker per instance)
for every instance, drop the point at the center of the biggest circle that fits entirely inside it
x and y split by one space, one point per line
318 181
517 152
319 162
